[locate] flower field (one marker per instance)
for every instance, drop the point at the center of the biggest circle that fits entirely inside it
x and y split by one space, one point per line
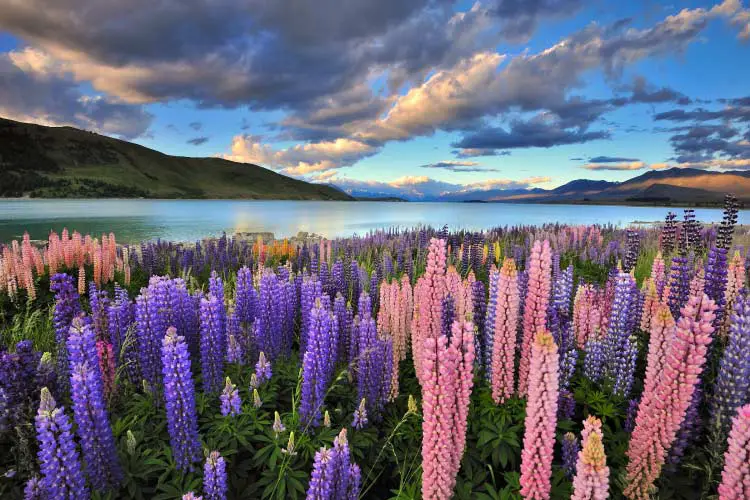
583 362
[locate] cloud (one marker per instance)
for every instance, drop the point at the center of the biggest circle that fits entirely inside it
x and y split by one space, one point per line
197 141
349 77
609 159
476 152
538 132
301 159
459 166
195 125
635 165
704 144
31 93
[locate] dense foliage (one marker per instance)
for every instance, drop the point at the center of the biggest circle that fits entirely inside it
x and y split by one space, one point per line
536 362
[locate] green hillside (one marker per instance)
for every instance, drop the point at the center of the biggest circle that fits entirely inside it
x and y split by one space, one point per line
65 162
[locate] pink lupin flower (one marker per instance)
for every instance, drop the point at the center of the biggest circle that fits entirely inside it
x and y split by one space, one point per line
535 307
658 274
735 478
735 283
586 315
541 418
699 279
446 389
428 303
81 280
506 326
592 474
650 304
660 336
663 407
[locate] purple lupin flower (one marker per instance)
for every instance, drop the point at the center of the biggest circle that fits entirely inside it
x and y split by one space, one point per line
215 477
489 324
310 291
345 318
67 307
59 461
448 314
679 285
231 405
179 393
593 361
334 476
150 327
320 481
732 388
262 369
33 489
360 415
338 280
374 287
479 301
355 283
373 365
119 319
318 362
620 348
98 302
716 280
94 431
213 342
562 291
630 415
570 449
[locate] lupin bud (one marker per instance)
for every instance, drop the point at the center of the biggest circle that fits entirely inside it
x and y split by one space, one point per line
326 419
130 442
412 404
278 427
290 445
256 399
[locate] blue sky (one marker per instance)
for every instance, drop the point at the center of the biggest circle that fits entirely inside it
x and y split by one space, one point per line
395 97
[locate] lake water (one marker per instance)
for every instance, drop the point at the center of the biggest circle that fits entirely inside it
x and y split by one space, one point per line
188 220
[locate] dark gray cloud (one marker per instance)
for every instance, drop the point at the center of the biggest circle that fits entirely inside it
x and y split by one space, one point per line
195 125
707 144
53 100
519 18
459 166
477 152
197 141
739 113
535 133
609 159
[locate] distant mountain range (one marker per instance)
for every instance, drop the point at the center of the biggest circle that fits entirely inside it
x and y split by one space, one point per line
49 162
670 186
66 162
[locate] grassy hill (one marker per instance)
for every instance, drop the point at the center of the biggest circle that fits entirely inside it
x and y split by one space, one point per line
66 162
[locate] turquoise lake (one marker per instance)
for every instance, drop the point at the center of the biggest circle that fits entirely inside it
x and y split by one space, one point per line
188 220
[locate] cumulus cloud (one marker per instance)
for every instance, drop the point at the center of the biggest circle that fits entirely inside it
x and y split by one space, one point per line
30 92
300 159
